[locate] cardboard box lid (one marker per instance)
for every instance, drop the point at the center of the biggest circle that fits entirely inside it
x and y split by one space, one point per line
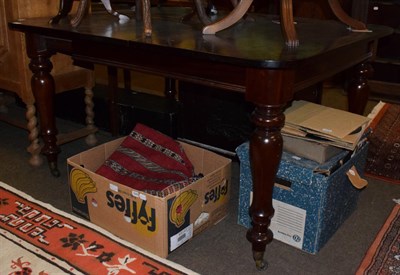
323 124
324 120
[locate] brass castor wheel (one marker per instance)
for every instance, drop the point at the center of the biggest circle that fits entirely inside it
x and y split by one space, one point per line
259 260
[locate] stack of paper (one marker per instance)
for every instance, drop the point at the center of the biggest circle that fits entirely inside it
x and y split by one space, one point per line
325 125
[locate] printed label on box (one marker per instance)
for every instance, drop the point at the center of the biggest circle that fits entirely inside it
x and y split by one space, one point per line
181 237
288 223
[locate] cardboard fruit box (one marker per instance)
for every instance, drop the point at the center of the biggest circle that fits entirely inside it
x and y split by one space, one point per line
311 200
157 224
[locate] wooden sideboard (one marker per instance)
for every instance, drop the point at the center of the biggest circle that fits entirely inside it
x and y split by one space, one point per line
15 75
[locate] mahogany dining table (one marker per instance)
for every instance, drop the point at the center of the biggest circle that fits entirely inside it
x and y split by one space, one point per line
250 57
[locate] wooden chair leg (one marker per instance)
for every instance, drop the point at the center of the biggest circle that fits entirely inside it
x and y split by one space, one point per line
138 10
33 136
344 17
237 13
234 2
64 9
146 5
90 139
81 12
201 12
287 23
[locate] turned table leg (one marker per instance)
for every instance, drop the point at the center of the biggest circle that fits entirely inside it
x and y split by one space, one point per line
43 88
269 91
265 154
358 89
170 88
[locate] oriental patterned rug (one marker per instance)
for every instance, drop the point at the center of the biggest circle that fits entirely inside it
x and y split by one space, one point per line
383 160
36 238
383 257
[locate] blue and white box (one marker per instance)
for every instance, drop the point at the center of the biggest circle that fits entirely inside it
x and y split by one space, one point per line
311 200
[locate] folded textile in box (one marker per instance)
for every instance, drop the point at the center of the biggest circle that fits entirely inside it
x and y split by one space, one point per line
149 161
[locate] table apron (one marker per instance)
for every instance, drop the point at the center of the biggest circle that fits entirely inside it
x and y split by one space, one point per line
207 72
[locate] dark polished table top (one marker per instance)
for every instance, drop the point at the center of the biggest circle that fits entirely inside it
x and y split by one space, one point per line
255 42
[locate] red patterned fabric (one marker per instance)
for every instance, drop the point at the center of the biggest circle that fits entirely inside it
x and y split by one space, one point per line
383 160
148 160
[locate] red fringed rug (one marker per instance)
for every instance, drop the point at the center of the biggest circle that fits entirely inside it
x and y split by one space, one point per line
36 238
383 160
383 257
